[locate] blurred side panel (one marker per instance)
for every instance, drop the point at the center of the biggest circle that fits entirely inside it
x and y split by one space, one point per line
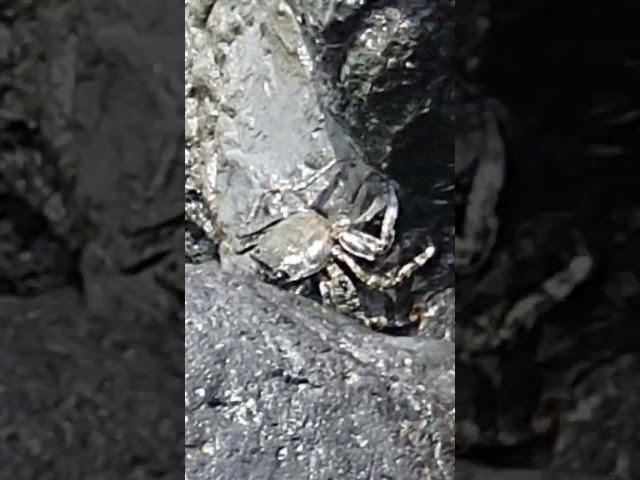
91 239
547 239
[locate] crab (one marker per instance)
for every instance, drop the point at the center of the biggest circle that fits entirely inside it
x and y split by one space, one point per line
307 242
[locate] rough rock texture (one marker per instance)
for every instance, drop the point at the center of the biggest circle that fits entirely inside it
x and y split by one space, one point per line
271 130
384 67
278 387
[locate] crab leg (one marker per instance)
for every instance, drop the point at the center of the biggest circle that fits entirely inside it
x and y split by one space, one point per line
339 292
305 182
389 279
300 186
367 246
378 204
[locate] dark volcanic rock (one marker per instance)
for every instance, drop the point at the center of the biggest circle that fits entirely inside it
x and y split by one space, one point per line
384 68
278 387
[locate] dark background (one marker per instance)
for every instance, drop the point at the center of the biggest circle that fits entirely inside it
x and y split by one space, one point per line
568 74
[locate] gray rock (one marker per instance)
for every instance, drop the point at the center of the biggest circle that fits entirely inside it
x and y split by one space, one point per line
278 387
382 67
201 112
270 130
264 107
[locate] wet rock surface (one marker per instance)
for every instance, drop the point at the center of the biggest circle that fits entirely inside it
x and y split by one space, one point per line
384 68
277 386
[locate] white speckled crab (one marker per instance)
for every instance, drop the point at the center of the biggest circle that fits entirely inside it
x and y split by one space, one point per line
307 242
